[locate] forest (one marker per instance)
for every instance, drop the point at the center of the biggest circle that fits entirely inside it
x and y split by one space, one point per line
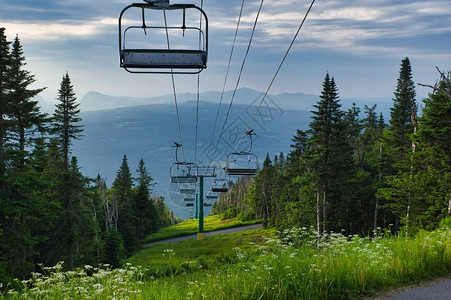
49 211
344 174
352 175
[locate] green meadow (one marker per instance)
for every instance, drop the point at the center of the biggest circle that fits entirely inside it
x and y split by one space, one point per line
295 263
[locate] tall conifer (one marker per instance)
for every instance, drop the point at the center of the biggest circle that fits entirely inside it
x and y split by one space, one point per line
26 113
5 106
66 118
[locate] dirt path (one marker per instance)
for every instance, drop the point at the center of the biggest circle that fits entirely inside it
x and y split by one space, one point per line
209 233
438 289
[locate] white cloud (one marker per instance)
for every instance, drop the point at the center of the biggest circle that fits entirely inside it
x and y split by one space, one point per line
57 31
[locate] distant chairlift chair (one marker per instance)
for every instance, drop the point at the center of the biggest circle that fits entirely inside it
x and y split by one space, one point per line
219 186
187 188
210 196
242 163
182 172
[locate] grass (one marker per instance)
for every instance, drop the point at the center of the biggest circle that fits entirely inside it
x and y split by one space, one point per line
188 227
168 259
298 264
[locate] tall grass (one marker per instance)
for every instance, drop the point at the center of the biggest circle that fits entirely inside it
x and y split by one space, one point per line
297 265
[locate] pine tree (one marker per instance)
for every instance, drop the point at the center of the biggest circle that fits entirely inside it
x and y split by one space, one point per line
123 193
66 121
331 161
5 106
433 162
144 208
402 119
401 126
65 127
26 113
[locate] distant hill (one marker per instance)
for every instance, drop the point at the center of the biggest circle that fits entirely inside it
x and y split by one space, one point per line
246 96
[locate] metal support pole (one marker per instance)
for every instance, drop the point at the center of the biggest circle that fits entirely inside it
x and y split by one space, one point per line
200 234
197 206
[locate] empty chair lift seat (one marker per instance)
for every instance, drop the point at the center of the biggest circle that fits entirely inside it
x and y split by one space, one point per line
242 171
180 59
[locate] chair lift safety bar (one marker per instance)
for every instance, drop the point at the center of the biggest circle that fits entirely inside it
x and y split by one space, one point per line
136 56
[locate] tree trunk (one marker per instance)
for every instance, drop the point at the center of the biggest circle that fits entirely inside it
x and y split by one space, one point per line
379 179
324 211
318 211
413 119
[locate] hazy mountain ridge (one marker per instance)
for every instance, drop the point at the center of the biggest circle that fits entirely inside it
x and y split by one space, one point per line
298 101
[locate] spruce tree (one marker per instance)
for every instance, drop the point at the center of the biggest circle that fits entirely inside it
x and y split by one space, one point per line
5 105
26 113
331 160
145 211
66 118
402 118
401 126
66 127
123 193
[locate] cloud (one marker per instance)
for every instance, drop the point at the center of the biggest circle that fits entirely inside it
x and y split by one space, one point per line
57 31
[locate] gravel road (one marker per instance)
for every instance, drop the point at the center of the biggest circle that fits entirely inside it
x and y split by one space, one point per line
439 289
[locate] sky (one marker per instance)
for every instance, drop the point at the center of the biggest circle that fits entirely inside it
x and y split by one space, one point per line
360 43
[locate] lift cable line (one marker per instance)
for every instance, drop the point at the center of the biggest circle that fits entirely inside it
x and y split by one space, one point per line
174 90
239 77
275 75
227 72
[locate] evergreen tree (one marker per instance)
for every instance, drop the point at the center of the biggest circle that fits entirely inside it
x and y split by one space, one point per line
26 114
5 106
123 193
65 127
145 211
402 118
401 126
66 121
332 161
432 184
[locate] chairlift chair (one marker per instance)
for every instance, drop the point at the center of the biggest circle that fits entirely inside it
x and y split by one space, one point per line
243 163
145 47
219 186
189 198
207 204
187 188
189 204
211 197
183 172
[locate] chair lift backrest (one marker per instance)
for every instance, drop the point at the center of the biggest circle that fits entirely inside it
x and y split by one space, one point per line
183 172
219 186
187 188
235 169
165 60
